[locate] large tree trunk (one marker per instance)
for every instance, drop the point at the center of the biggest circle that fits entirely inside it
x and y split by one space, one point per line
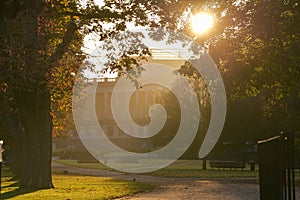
36 119
33 102
15 136
32 147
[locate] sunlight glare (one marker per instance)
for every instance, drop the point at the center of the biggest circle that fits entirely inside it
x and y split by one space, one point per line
202 22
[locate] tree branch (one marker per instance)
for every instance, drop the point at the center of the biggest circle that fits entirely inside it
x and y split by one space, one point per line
63 46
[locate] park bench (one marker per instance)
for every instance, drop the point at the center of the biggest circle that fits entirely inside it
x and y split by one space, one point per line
227 164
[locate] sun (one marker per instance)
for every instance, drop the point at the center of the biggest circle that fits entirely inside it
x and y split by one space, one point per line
202 22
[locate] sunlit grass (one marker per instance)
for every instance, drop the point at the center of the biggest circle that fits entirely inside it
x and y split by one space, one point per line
75 187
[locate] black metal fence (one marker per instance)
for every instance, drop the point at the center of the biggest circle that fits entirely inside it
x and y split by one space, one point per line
276 167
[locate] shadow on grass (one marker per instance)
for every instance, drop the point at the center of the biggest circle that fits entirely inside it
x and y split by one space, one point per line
11 184
16 184
16 192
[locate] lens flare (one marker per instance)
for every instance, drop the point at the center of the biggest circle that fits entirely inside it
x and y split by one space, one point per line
202 22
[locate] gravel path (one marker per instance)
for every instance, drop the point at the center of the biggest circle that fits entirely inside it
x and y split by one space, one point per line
203 189
182 188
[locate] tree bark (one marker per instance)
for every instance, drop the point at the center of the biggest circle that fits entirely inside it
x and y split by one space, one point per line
36 119
14 138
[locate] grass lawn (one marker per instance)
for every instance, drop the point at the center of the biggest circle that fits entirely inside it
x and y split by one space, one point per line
186 169
179 169
74 187
74 163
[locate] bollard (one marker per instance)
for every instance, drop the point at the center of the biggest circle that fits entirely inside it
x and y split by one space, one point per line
270 153
276 167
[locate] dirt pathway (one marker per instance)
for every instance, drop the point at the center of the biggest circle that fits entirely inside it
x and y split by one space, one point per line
181 188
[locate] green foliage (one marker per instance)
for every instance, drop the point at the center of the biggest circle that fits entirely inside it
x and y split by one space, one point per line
265 45
255 45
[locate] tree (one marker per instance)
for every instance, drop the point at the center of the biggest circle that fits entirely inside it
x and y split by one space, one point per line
37 37
261 59
255 45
